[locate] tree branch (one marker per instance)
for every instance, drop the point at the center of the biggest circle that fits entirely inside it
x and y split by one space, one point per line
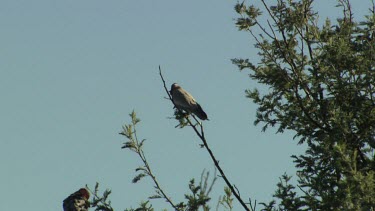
136 146
203 138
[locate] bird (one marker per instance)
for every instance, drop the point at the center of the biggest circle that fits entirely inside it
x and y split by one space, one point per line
185 101
77 201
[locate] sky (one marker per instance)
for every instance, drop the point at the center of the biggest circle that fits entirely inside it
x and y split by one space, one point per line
71 72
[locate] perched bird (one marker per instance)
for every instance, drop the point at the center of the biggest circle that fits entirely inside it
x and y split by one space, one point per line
183 100
77 201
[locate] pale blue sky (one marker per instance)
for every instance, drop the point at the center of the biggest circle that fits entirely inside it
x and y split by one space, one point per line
71 72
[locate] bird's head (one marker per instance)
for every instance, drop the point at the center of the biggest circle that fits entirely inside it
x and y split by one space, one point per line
175 86
84 193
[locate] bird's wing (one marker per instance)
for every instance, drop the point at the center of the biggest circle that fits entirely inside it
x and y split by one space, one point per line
198 111
184 100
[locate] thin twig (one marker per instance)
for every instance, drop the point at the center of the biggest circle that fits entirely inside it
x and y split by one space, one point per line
202 137
144 160
251 204
105 206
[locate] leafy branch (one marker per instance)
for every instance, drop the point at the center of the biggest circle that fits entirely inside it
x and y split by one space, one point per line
101 203
135 145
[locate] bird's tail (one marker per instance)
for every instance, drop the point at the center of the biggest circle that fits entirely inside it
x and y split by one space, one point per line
200 113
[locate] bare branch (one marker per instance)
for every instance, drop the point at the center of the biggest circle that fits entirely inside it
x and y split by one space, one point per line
202 137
